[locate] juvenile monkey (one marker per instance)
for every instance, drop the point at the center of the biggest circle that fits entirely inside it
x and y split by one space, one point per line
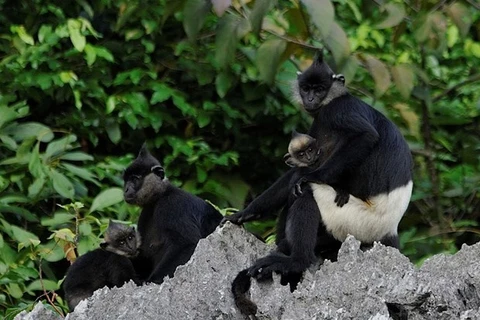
108 265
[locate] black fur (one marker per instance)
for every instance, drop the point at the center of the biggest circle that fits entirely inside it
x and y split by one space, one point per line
108 266
172 220
362 153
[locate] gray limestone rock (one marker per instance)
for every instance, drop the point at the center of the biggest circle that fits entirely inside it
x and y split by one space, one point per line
377 284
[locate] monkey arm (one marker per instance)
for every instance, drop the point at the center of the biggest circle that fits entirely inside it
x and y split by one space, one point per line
357 138
271 200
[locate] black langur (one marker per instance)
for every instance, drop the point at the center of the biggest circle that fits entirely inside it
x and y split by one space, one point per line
109 265
172 221
302 151
362 152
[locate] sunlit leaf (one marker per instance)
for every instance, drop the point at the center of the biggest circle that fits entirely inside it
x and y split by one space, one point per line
410 117
107 198
31 129
74 29
395 15
379 72
461 16
268 58
22 33
195 12
260 9
404 77
220 6
321 13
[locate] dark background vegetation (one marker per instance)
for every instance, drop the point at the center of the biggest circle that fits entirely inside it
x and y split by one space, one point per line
208 85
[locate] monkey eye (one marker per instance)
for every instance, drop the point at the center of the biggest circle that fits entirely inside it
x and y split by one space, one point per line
122 243
301 154
310 149
130 237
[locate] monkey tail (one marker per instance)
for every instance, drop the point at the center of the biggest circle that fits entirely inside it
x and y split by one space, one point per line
240 286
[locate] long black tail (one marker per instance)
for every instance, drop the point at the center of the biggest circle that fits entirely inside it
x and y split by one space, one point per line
240 286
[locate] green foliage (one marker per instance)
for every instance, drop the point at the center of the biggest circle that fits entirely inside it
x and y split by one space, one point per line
208 85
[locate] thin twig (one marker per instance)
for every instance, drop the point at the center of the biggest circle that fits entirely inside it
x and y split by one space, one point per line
474 4
471 79
45 293
292 40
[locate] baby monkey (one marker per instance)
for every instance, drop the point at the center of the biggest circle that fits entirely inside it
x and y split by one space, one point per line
108 265
304 152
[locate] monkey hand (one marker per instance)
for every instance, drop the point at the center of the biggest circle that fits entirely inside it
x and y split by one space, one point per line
297 191
240 218
341 198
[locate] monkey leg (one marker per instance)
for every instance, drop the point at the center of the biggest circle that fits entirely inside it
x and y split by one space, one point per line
302 221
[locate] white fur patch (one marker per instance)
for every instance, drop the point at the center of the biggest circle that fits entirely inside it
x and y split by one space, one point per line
367 222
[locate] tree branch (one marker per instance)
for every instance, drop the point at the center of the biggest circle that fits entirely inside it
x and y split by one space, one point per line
471 79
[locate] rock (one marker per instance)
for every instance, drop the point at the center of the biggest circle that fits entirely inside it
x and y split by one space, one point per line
39 312
377 284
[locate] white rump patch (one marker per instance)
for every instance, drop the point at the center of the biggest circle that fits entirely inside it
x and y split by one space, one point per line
366 221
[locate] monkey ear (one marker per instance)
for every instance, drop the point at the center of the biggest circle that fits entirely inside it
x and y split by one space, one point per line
288 160
159 171
143 151
104 245
319 57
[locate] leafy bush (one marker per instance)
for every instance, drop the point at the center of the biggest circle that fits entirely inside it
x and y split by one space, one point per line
208 85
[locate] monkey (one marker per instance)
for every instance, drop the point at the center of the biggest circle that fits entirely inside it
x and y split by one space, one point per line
363 153
303 151
108 265
171 222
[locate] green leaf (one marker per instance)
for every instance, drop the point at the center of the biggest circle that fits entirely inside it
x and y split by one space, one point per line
35 165
14 290
403 76
31 129
380 74
260 9
74 30
194 14
338 43
111 103
395 15
58 219
268 58
90 54
22 33
107 198
230 29
45 284
104 53
321 13
61 184
59 146
80 172
203 119
21 235
223 82
36 187
76 156
114 133
161 94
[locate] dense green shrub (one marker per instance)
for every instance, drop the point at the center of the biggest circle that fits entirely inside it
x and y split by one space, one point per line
208 86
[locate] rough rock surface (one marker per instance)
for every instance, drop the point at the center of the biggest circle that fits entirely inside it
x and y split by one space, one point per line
377 284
